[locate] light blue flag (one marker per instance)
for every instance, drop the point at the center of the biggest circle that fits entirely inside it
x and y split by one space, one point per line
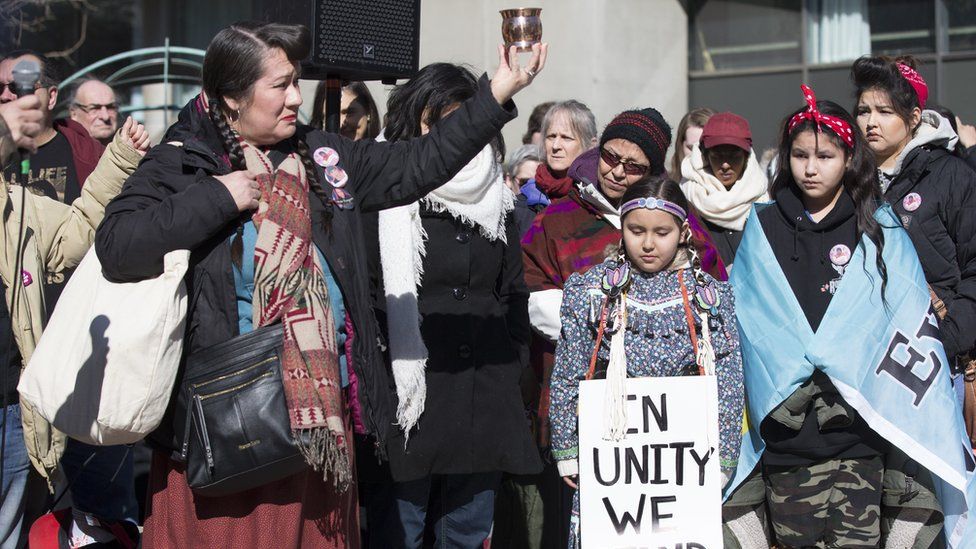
884 357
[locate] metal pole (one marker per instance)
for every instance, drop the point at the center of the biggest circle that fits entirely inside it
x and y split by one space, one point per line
166 92
333 104
941 47
804 44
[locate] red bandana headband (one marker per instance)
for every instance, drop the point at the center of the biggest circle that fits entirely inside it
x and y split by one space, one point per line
917 83
837 125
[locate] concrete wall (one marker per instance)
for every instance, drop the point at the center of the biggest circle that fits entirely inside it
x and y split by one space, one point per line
611 54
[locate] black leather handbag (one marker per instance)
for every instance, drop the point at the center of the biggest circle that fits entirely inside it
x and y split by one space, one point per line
236 433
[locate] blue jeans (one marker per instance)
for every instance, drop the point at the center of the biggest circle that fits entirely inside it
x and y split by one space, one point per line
105 487
456 509
16 465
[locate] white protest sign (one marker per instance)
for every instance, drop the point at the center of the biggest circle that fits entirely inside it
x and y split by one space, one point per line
659 486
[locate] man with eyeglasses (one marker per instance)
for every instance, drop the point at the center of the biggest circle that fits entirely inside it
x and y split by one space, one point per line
93 105
66 153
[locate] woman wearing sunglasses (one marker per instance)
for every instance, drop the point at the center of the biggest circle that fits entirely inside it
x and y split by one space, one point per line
722 179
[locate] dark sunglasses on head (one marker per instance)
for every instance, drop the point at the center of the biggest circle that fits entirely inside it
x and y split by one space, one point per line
630 168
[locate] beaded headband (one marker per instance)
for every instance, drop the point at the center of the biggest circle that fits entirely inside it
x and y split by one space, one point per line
838 125
652 203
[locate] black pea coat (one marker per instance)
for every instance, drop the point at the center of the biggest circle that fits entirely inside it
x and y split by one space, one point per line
473 303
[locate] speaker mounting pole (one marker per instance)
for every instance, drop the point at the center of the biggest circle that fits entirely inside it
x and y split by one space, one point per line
333 103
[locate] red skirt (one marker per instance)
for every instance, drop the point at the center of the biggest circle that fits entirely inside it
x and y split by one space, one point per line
297 512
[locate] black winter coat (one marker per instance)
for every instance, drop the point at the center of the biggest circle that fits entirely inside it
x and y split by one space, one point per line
943 229
475 323
969 155
173 202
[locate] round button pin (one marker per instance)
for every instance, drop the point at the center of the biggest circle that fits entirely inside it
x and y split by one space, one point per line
336 176
911 202
342 199
325 157
840 255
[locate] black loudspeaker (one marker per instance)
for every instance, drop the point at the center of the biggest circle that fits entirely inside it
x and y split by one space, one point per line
353 39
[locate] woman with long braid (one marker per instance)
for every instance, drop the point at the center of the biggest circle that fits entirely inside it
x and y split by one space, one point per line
235 180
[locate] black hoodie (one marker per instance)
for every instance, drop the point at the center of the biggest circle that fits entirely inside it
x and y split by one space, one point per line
803 249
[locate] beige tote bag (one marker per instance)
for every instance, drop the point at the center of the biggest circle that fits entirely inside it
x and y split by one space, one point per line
104 368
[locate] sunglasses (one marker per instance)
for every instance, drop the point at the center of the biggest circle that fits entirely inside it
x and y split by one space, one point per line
4 86
630 168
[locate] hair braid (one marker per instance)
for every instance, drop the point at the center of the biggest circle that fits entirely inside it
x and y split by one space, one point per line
314 185
232 146
235 155
694 258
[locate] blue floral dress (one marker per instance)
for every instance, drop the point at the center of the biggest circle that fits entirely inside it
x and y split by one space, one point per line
657 344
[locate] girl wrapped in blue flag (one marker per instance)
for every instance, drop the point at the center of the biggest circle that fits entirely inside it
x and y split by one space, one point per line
648 310
854 424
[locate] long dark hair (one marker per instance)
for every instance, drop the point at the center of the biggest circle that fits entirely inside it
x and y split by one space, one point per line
881 73
424 99
363 97
231 66
860 179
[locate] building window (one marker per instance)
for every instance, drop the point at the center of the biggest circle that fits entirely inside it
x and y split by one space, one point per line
733 35
902 26
961 15
837 30
743 34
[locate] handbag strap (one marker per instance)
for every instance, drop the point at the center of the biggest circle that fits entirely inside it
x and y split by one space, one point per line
690 319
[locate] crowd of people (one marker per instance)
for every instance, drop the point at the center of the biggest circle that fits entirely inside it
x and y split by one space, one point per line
434 303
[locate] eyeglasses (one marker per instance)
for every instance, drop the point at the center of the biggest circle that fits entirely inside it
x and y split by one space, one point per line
630 168
95 107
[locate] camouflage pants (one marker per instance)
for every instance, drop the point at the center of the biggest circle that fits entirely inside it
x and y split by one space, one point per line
835 503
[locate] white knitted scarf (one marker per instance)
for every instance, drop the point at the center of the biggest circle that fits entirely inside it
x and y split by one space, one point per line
477 196
728 208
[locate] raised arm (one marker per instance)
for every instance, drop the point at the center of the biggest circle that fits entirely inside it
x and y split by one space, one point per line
65 233
384 175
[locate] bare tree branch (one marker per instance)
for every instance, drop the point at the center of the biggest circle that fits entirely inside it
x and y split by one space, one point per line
82 36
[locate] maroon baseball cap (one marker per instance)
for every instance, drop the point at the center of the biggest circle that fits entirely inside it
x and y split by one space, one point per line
726 128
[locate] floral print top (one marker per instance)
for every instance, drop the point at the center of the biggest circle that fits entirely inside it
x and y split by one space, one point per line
657 344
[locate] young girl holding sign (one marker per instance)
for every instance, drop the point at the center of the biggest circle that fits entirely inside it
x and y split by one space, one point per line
832 300
676 320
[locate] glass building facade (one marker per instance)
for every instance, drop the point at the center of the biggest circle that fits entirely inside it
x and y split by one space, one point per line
740 50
